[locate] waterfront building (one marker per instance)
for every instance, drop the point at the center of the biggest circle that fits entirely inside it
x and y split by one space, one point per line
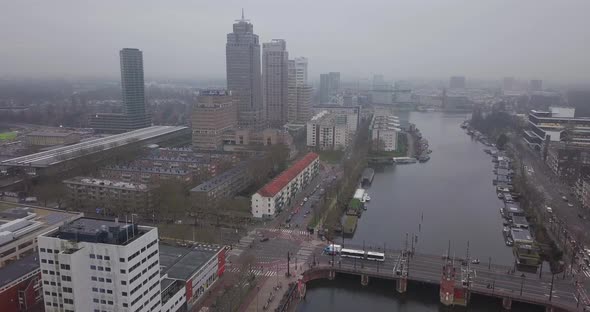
567 161
51 138
279 193
352 114
214 114
243 72
329 86
113 197
328 131
457 82
558 124
275 59
134 114
385 129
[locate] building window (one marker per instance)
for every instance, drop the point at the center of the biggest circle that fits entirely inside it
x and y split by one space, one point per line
65 266
93 267
121 259
92 256
93 278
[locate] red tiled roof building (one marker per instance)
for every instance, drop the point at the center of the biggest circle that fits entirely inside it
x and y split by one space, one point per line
279 192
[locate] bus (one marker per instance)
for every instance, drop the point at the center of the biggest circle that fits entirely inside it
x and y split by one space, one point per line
375 256
352 253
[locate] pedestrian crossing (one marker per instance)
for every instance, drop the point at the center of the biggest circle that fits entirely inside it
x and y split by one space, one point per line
290 231
265 273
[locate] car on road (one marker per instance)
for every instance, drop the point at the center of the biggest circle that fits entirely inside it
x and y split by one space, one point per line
264 239
570 204
564 198
305 199
549 210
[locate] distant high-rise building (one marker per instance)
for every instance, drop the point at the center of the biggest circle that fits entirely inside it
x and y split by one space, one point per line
301 70
242 53
134 114
457 82
214 113
536 85
133 87
329 86
275 60
300 93
508 83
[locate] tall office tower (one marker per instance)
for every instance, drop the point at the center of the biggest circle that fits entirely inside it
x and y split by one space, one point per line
457 82
508 83
242 53
329 86
301 70
134 114
133 87
300 93
95 265
214 113
536 85
275 59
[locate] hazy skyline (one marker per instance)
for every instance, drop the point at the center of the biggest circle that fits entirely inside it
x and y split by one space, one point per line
185 39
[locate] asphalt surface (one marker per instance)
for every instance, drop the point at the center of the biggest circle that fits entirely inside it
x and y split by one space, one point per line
568 225
492 280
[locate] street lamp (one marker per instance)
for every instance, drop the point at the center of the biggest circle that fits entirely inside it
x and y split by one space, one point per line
522 283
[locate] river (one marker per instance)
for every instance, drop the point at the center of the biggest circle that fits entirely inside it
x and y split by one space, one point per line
449 198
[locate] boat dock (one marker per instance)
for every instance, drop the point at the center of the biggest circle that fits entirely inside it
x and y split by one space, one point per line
404 160
368 175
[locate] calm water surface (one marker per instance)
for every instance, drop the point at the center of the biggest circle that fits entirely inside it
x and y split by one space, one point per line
451 197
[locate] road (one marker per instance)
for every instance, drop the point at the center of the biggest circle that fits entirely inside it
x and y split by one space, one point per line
564 223
494 280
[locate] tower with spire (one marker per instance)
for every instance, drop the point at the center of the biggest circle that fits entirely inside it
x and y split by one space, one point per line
242 52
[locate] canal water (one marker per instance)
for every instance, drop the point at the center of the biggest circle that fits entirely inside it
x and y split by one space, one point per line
449 198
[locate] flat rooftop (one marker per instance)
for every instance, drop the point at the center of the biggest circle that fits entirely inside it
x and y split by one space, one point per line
58 155
99 231
18 268
219 179
50 133
182 262
521 235
108 183
44 219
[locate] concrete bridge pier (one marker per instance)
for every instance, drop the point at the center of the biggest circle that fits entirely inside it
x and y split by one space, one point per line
401 285
364 279
507 303
331 275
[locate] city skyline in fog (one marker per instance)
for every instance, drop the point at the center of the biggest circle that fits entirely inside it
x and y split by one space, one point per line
431 39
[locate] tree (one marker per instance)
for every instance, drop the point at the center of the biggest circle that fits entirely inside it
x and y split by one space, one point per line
501 141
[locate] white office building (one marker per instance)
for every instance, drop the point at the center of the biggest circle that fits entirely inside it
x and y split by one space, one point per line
97 265
328 131
384 131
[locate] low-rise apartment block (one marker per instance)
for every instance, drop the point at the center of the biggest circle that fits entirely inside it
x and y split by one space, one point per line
278 193
112 197
224 185
148 175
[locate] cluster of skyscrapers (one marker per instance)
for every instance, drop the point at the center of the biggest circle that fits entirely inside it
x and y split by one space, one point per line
270 93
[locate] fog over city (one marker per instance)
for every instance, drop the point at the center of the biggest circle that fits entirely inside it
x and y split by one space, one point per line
401 39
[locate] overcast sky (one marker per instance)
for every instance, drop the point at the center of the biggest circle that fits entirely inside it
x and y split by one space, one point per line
400 39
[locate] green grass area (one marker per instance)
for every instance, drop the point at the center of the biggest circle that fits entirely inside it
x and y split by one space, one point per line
8 136
332 157
355 204
349 224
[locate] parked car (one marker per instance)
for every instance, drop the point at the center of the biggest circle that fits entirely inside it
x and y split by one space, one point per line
264 239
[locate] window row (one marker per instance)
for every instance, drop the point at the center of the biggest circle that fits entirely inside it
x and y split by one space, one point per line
100 268
99 257
101 279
